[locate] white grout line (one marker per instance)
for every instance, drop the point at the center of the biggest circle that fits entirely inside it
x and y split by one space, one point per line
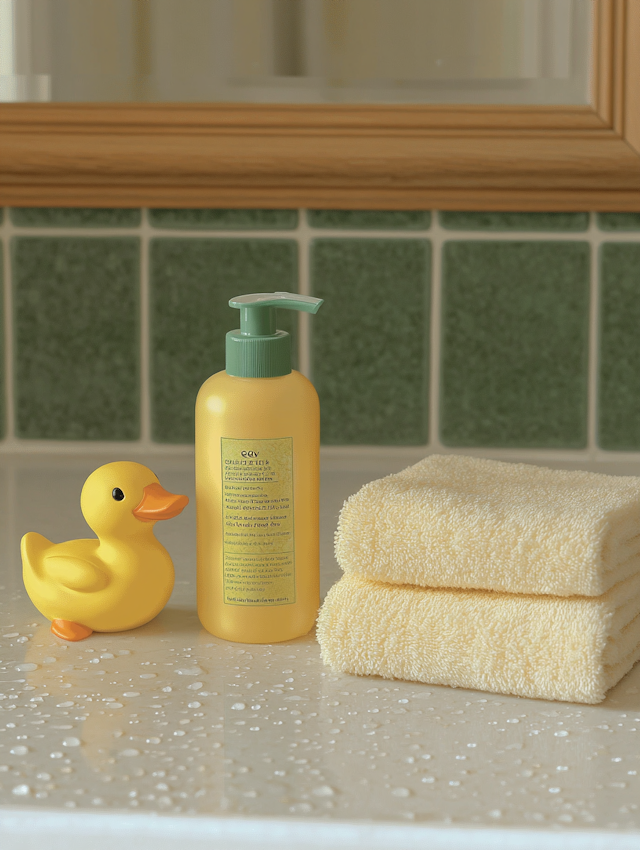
128 448
594 317
145 332
333 233
8 330
303 235
437 236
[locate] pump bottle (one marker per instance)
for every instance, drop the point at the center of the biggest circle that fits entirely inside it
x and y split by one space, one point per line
257 483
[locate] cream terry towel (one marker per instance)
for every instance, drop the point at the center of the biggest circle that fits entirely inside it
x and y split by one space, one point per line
547 647
464 522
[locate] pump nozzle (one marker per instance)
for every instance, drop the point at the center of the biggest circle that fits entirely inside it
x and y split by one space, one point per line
258 311
258 349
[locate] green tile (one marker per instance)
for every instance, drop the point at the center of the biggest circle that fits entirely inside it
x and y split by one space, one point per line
192 281
370 219
224 219
515 319
619 221
77 337
619 366
370 340
74 217
514 221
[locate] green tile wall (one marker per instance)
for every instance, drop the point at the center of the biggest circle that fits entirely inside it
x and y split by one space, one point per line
224 219
619 221
369 219
191 282
514 221
76 326
74 217
371 338
513 368
619 378
515 344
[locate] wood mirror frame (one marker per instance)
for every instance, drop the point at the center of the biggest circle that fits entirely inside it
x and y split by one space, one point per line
358 157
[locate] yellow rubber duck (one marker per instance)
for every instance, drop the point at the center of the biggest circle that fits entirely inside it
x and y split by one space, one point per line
122 579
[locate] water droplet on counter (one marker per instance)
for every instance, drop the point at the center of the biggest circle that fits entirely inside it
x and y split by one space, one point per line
561 734
401 792
45 777
189 671
167 690
11 634
195 704
130 753
21 790
131 694
495 813
323 791
71 742
238 706
554 790
195 686
55 755
301 808
19 751
67 704
148 675
25 668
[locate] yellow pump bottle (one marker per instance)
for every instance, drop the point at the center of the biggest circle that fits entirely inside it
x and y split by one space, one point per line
257 483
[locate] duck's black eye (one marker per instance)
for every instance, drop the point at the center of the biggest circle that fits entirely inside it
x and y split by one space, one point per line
117 494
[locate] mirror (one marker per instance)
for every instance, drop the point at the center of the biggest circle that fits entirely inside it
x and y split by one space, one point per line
296 51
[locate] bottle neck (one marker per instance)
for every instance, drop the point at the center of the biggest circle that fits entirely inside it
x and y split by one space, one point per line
266 356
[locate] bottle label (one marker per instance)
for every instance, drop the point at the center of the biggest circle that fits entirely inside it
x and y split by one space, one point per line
257 522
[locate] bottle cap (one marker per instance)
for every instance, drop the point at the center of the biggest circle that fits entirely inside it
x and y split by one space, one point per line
258 349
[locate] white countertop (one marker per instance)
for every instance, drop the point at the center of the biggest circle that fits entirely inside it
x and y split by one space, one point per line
164 735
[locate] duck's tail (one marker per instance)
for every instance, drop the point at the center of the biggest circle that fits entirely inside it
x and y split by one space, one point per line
32 549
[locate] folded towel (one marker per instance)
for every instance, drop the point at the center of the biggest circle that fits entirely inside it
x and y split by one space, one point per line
560 648
465 522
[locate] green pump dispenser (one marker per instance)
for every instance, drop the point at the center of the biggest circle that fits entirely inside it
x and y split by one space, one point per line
258 350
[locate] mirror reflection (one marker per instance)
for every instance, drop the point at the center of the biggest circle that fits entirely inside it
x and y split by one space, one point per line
296 51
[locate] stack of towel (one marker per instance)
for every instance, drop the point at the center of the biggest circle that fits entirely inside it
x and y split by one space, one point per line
504 577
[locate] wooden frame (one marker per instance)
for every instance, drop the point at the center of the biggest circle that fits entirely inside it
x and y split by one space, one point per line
359 157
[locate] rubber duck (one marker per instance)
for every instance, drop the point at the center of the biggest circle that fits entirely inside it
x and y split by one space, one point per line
118 581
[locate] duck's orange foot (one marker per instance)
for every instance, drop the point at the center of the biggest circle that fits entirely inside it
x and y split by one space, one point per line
67 630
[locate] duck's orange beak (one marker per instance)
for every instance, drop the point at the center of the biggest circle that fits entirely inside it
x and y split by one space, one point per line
158 503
